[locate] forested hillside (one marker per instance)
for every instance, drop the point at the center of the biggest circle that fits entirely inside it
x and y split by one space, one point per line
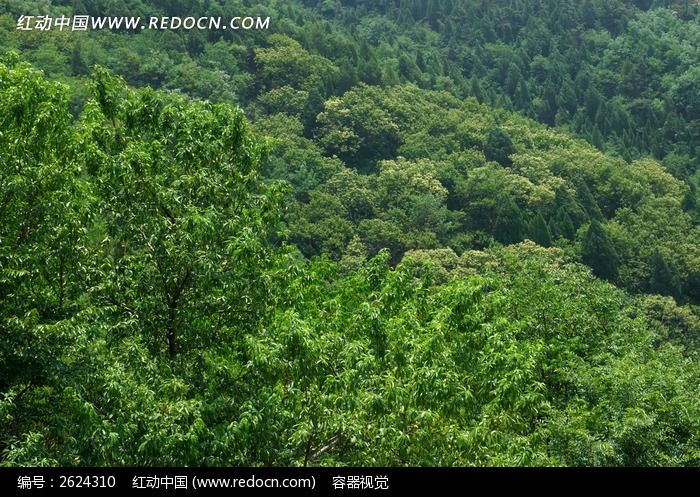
380 233
621 74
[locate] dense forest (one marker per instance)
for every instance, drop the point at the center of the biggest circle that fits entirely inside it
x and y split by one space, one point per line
381 232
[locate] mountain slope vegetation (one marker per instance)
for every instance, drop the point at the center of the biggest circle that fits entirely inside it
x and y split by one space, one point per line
381 233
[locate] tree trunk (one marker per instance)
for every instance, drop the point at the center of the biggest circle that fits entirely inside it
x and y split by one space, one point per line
171 335
172 344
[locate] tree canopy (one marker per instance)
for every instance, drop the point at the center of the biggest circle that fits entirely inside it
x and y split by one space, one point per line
378 233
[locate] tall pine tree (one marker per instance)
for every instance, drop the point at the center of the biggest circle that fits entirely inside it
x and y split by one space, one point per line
510 225
663 281
539 231
499 147
562 226
599 253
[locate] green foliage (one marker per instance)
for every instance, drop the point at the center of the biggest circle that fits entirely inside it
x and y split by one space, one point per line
358 131
598 252
663 280
286 63
539 231
510 224
183 214
43 229
164 301
562 226
499 147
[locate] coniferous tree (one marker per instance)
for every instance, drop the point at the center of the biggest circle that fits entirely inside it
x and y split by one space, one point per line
420 62
312 107
77 61
408 68
592 102
664 280
476 90
354 255
691 287
510 224
368 67
499 147
567 97
690 201
348 76
599 253
562 225
390 77
513 79
564 202
588 202
522 98
539 231
597 139
550 97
